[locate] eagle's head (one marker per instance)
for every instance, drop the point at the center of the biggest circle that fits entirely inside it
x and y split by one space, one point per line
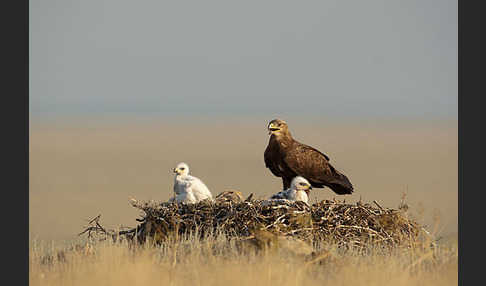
181 169
277 127
300 184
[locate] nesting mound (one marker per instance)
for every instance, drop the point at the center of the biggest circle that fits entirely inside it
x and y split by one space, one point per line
349 225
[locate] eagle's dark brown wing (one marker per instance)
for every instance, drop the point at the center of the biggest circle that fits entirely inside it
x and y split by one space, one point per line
313 149
315 167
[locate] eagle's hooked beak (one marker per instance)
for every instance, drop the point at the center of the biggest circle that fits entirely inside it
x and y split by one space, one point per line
272 128
175 170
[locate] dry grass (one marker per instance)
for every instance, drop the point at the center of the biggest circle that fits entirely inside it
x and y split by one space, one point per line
80 170
210 245
216 260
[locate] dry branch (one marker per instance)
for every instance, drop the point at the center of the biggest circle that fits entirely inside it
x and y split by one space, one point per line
350 225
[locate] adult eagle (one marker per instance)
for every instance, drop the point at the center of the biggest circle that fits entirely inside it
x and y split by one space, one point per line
287 158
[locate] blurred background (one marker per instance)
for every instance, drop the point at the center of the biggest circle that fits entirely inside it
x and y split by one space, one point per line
121 91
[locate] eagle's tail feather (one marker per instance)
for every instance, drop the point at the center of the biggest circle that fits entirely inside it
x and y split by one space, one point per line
341 189
341 184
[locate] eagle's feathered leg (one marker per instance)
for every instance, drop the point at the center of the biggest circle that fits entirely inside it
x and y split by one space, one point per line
286 183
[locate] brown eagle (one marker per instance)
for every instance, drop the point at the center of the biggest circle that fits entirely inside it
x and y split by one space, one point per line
287 158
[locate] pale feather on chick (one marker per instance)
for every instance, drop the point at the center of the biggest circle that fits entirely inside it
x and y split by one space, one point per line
188 189
298 191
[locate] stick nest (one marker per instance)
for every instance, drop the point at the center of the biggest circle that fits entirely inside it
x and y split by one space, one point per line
348 225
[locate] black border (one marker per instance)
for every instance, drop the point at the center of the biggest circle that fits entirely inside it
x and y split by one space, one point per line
15 191
471 122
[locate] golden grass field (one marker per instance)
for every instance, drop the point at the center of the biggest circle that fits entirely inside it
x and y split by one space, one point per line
215 261
82 168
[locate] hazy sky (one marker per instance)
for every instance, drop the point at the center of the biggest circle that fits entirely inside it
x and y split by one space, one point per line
335 58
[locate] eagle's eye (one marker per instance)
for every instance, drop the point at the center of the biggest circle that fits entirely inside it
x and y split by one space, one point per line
303 184
182 168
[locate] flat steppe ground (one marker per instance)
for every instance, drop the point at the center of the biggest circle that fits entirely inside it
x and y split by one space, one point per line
82 168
